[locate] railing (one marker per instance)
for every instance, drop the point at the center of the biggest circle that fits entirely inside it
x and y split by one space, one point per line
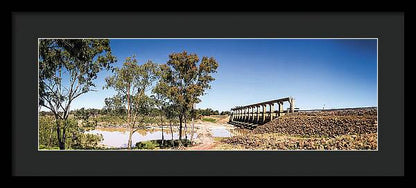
260 113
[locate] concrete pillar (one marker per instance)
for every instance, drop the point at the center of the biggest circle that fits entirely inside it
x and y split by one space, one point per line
280 108
264 113
249 114
245 115
292 105
270 112
257 114
241 115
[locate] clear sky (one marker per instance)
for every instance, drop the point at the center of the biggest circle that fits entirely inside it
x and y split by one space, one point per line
330 73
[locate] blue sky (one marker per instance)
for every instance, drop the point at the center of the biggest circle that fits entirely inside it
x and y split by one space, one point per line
335 73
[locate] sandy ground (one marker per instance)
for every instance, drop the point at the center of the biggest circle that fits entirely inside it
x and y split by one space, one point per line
204 138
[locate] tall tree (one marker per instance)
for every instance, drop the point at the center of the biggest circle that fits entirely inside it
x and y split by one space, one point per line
187 79
67 69
131 82
161 101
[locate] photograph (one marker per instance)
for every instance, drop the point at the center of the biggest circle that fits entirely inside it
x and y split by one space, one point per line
207 94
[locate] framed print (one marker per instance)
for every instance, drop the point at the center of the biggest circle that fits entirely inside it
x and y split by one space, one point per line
287 94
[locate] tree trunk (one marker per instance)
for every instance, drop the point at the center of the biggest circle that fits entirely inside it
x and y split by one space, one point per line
163 138
50 138
63 137
58 132
192 134
186 128
180 127
128 117
130 141
171 130
161 121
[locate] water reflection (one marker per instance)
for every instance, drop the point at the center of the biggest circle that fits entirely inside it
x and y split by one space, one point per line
220 132
118 137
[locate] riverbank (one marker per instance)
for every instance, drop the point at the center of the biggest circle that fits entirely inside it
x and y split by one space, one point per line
345 129
201 134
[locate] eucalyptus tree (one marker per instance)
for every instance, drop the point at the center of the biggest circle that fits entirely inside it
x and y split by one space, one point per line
82 114
161 100
132 82
187 79
67 69
171 113
114 106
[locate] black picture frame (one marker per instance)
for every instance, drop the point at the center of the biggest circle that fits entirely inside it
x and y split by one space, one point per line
388 27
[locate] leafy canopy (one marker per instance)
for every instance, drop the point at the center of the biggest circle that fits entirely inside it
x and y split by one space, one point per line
185 80
131 82
67 68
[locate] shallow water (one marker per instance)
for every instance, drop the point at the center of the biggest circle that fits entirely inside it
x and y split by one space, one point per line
118 138
220 132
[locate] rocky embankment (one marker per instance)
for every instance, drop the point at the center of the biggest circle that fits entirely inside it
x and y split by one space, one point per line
324 123
350 129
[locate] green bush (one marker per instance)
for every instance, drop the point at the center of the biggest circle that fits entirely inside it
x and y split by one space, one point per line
209 120
43 147
153 144
147 145
47 132
76 138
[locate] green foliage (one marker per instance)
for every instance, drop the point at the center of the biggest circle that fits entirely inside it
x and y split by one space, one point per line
131 82
207 112
146 145
110 119
82 114
67 69
47 132
79 59
43 147
184 79
85 141
153 144
76 136
225 113
209 120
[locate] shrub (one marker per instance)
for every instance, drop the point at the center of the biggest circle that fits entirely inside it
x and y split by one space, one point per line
209 120
153 144
76 136
147 145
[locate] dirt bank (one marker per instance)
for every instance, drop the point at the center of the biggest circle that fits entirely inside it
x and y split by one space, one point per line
204 138
349 129
324 123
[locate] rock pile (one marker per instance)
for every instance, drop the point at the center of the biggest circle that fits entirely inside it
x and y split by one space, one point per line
324 123
274 141
348 129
